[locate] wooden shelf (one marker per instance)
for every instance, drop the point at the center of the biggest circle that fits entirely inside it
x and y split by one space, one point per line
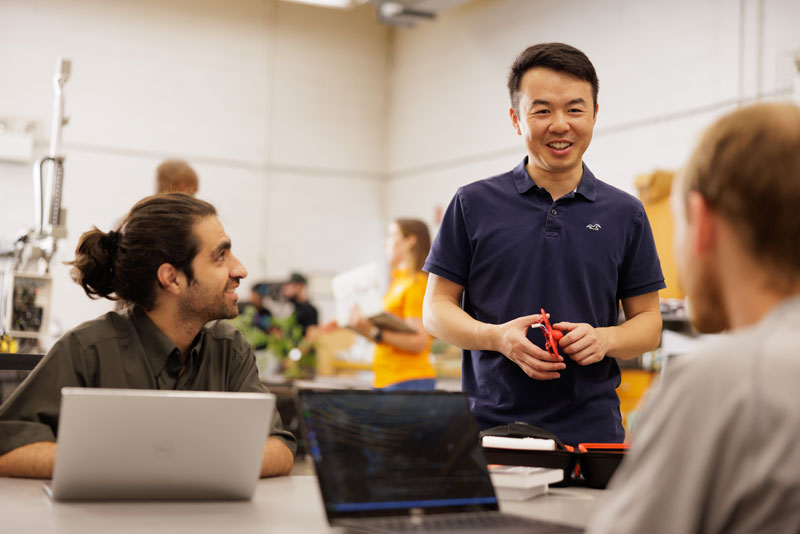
351 366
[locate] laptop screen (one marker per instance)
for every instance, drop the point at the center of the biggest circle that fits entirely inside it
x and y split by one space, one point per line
388 453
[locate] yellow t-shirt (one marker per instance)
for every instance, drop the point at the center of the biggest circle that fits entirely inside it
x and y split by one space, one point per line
404 299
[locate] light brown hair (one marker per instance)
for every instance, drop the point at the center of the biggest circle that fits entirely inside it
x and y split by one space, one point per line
419 230
747 168
176 176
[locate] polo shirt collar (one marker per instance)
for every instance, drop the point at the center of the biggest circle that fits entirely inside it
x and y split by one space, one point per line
587 187
157 346
522 179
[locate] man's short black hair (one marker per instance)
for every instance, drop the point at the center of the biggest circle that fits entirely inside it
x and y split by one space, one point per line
298 278
559 57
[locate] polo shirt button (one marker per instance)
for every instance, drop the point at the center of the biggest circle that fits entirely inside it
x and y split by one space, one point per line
554 211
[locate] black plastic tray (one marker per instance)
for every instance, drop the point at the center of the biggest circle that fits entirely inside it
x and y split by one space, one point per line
595 467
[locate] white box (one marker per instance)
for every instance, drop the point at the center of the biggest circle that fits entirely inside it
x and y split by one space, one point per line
518 483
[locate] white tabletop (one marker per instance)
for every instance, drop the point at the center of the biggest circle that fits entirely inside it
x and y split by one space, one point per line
283 504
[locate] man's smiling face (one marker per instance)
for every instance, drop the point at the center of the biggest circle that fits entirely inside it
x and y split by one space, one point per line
556 116
212 293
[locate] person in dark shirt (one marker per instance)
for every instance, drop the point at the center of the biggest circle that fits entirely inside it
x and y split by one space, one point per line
171 260
296 292
262 316
546 235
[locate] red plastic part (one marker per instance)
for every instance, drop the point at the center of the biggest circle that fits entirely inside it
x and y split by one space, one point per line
586 447
551 335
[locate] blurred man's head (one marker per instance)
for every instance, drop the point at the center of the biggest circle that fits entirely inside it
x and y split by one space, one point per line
176 176
738 204
295 287
259 291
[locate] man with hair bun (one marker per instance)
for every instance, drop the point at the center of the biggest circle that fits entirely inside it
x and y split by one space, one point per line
715 448
171 261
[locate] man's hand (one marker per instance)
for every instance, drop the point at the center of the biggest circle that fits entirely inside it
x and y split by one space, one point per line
582 342
510 340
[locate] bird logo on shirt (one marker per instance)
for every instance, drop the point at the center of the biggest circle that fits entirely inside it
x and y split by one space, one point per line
596 227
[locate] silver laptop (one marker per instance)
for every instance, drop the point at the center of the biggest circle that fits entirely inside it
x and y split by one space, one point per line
152 445
404 461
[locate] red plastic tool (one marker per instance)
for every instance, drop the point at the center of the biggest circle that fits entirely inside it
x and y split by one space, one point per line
551 335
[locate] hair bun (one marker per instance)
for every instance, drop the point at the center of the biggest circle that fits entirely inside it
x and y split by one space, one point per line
110 241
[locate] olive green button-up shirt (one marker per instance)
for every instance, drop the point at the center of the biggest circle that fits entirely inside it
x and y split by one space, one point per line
126 350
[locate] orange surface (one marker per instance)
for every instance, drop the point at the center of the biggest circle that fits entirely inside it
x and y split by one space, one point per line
606 447
633 385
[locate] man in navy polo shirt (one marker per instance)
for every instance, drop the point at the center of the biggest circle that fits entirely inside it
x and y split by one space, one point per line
547 234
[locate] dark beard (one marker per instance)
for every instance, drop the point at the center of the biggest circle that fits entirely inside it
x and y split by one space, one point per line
204 308
707 307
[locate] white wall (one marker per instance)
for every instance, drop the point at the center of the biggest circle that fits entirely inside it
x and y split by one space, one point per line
666 70
311 127
280 107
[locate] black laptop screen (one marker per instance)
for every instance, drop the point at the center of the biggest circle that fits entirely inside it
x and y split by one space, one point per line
389 452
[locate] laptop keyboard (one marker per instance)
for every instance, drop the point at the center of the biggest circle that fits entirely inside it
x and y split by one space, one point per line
460 522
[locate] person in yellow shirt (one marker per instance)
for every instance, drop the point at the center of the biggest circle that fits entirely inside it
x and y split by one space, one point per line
402 359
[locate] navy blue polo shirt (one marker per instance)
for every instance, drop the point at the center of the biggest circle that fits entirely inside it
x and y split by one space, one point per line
515 251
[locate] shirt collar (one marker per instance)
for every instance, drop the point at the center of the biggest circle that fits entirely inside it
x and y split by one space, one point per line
157 346
587 187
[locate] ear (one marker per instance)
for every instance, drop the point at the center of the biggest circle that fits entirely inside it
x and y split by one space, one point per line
702 223
170 279
514 120
596 109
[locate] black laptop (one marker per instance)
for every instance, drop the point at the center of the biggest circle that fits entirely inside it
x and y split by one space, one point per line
403 462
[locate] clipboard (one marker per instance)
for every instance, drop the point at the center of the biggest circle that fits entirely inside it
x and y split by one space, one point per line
387 321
